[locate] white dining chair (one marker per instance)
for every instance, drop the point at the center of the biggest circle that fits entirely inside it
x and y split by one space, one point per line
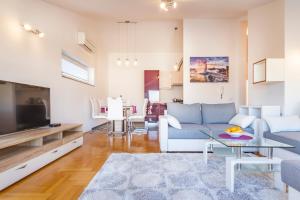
99 104
138 117
115 112
96 110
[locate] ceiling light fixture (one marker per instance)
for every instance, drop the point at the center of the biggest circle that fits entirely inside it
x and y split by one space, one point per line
175 4
167 4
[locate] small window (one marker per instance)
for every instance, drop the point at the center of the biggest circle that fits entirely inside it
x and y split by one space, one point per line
75 69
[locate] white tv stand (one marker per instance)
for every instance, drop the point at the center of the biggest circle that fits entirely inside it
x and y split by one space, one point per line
25 152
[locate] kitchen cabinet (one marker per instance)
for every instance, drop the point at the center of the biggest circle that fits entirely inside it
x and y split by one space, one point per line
170 78
165 79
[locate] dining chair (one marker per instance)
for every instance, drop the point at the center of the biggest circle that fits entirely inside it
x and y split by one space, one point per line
96 114
115 112
101 107
138 117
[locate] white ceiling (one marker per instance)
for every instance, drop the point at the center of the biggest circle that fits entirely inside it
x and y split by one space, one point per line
149 9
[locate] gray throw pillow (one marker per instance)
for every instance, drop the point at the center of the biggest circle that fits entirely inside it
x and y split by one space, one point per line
218 113
186 113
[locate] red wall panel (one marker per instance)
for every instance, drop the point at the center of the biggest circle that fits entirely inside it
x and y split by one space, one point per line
151 81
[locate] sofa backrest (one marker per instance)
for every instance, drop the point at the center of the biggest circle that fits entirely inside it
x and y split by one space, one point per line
186 113
218 113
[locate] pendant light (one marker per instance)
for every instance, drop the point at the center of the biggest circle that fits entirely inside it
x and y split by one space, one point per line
127 42
127 62
135 62
119 61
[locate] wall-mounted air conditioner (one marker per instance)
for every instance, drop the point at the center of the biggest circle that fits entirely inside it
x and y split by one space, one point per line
85 43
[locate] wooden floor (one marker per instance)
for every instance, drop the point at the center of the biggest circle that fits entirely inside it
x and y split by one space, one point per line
67 177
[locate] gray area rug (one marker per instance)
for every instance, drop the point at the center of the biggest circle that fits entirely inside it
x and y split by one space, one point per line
175 176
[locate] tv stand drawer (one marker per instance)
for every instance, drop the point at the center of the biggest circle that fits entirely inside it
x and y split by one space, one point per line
15 174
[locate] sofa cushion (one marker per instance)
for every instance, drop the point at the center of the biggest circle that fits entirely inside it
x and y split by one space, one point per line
218 113
283 123
291 138
188 131
290 172
220 128
172 121
242 121
186 113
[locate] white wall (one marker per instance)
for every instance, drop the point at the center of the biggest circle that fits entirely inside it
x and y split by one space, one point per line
266 40
292 57
28 59
212 37
243 62
158 48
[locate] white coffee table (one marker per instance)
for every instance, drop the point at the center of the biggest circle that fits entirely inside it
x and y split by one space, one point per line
234 163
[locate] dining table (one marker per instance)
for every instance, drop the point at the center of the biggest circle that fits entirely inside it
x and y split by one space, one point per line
127 111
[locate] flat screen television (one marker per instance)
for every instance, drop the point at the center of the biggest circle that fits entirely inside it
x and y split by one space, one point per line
23 107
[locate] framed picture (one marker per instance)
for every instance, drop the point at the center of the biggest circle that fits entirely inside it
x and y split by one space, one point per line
209 69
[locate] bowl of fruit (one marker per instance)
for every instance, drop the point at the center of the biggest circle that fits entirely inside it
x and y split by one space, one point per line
234 131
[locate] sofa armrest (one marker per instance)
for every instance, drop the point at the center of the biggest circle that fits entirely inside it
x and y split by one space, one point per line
163 133
290 171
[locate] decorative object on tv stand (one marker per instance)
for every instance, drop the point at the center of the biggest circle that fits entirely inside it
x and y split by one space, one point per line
127 25
167 4
209 69
29 28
